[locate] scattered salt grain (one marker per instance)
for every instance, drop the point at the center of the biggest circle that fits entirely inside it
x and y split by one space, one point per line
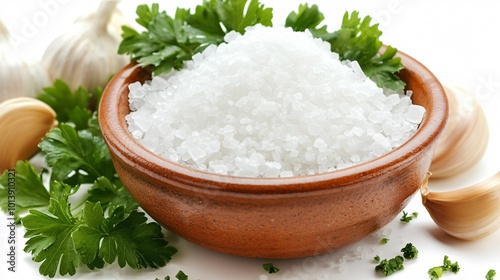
263 277
270 103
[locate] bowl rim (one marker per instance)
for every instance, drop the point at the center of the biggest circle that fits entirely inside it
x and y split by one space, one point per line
147 163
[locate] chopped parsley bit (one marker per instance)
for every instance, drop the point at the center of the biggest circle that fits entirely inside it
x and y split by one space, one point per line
180 276
409 251
437 271
384 240
407 218
449 266
491 274
390 266
270 268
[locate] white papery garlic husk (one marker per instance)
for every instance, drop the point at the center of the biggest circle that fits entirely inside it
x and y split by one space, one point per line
86 56
465 136
19 76
469 213
24 121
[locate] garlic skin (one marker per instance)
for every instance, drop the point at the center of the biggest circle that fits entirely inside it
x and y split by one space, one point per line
469 213
465 136
86 56
19 76
24 121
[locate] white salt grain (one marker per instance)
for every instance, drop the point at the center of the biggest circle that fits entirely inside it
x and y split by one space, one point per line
270 103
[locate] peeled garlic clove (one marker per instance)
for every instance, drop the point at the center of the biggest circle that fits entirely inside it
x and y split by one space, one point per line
23 122
465 137
19 76
469 213
86 56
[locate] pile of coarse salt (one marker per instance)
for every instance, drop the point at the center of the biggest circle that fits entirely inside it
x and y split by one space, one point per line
270 103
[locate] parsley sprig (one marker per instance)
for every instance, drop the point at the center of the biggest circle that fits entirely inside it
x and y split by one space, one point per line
169 41
105 225
356 40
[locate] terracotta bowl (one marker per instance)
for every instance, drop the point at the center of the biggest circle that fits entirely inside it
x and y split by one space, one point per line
279 217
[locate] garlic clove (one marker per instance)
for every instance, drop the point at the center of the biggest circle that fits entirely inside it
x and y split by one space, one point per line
465 137
86 56
19 76
469 213
23 122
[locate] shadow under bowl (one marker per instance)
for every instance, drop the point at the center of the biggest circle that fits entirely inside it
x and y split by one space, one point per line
274 217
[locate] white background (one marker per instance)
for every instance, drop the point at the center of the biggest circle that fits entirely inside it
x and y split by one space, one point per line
457 40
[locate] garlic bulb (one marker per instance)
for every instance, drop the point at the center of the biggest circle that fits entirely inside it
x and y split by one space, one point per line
24 121
469 213
87 54
465 136
115 23
18 76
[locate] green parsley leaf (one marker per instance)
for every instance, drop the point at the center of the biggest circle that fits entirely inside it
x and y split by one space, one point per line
169 41
270 268
76 157
409 251
231 14
388 267
384 240
406 218
26 188
111 195
307 18
491 274
49 234
75 107
358 40
376 259
123 236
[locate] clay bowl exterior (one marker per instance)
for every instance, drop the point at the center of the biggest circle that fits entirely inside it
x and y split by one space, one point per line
279 217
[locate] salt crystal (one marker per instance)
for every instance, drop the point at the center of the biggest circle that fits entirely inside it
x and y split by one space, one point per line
137 134
272 169
357 131
217 166
196 152
382 140
320 144
286 173
415 113
314 129
355 158
158 83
